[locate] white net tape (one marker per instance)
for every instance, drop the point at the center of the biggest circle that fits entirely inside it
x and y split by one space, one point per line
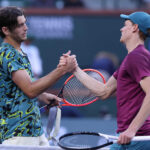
6 147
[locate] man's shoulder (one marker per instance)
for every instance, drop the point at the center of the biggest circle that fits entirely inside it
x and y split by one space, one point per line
5 47
7 52
139 54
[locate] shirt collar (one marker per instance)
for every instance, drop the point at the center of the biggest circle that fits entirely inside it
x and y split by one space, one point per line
10 46
7 45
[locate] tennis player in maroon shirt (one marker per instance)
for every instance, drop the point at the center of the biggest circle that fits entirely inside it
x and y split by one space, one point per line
131 82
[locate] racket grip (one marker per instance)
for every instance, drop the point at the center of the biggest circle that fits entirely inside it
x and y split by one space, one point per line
141 138
50 104
47 107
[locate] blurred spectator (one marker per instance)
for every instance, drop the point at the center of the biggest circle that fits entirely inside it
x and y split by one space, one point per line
59 4
42 3
73 3
33 54
106 63
4 3
146 4
140 4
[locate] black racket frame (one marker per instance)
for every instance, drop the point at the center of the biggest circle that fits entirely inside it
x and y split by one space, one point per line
83 133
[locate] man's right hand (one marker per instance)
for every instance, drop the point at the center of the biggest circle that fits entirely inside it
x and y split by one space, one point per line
68 62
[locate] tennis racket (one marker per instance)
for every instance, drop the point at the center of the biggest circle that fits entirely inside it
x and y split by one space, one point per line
74 93
90 140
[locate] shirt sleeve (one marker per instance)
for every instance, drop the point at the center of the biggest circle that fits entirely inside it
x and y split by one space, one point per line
138 67
12 62
115 74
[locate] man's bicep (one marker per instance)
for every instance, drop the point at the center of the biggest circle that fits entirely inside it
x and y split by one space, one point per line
22 79
111 85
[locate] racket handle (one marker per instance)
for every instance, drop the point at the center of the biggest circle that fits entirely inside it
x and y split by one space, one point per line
141 138
136 138
50 104
47 107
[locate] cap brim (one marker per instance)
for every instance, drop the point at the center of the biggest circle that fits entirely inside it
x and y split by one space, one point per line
124 16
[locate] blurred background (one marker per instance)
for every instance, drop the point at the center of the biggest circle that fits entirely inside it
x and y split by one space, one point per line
91 30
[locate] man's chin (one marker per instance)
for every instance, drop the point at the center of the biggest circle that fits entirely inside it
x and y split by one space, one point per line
121 40
24 39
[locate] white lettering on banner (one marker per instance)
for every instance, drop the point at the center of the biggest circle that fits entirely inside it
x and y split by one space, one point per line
44 27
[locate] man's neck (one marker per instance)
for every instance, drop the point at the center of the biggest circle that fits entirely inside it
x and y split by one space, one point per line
15 44
132 44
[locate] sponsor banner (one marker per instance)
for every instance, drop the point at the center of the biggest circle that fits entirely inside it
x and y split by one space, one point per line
51 27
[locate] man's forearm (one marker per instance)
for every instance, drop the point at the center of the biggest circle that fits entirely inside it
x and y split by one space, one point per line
142 115
91 83
41 85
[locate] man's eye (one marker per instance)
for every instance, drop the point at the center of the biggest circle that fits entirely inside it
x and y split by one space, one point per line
21 25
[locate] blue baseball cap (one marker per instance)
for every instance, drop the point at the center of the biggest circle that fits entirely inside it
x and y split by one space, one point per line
140 18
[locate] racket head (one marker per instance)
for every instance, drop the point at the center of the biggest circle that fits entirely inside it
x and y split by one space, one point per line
76 94
83 141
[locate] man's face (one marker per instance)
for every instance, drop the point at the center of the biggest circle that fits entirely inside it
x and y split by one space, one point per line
126 31
19 34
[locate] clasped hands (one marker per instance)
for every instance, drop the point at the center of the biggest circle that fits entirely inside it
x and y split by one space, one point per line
68 62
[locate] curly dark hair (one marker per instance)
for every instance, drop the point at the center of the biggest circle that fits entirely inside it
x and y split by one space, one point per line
8 18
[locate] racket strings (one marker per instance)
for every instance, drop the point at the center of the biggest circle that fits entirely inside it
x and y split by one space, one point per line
76 93
80 141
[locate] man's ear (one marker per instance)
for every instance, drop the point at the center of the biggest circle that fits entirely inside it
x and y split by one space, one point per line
135 27
5 30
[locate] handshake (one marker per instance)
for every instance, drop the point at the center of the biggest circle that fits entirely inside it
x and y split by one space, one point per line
68 63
